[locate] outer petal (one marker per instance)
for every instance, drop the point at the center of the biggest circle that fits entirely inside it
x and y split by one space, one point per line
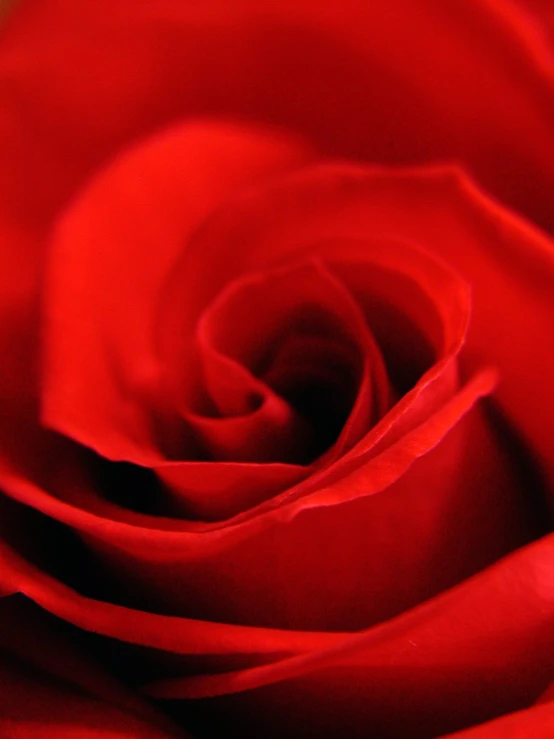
51 689
473 653
543 17
537 722
34 706
393 82
456 661
339 543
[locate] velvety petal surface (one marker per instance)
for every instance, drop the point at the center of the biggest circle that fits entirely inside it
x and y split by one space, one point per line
508 263
478 87
109 262
50 688
338 544
536 722
473 653
390 582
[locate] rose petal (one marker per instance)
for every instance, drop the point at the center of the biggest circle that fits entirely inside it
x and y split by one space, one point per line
535 722
479 650
245 339
268 573
178 635
476 652
219 60
109 261
208 491
51 689
338 74
118 348
547 696
404 292
33 706
540 24
508 263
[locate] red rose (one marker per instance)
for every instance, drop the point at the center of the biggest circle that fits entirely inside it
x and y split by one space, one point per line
277 455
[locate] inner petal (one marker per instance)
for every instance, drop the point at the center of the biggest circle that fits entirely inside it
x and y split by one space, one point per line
111 255
290 368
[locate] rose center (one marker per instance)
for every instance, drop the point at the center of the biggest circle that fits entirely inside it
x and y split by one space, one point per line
290 369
